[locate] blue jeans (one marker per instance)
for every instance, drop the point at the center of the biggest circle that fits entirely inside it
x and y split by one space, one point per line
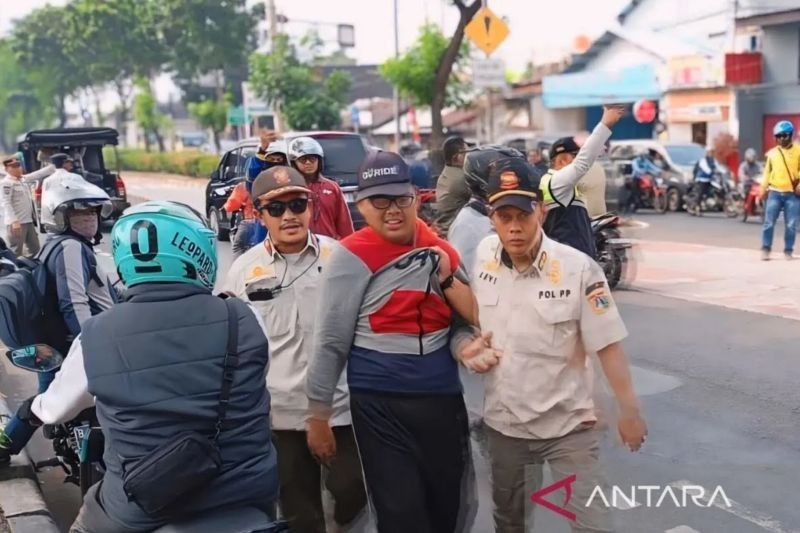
17 431
790 205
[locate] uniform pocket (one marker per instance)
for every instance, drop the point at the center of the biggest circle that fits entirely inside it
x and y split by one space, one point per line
558 328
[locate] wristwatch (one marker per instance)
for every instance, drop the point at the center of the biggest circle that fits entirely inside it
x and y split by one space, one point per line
447 282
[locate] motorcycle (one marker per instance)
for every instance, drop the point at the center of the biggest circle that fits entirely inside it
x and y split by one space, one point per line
652 193
721 196
612 249
753 204
78 445
427 205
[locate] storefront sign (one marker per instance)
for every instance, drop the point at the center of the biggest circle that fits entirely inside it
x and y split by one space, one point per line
687 72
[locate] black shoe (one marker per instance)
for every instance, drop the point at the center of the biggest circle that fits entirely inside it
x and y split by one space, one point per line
5 457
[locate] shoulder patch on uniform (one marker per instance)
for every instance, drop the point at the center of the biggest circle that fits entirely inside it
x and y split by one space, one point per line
554 274
598 298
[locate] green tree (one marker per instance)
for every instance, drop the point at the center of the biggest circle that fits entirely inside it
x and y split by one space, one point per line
297 90
115 41
208 37
22 106
212 114
425 73
41 41
147 115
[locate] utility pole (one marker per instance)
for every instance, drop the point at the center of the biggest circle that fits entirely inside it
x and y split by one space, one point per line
272 20
395 94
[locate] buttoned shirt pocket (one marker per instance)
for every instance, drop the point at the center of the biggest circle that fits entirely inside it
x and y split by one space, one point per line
555 328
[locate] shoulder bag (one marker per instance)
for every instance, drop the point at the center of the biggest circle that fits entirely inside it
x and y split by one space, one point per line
161 481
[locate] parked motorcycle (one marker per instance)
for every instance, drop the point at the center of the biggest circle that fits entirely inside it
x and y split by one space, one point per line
612 249
722 196
753 204
78 445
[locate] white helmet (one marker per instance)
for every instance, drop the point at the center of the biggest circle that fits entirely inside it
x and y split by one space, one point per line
278 147
305 146
70 191
750 153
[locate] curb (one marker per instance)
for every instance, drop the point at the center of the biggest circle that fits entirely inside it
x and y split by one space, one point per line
20 495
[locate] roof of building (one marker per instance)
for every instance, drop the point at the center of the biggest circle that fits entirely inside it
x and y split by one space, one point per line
661 46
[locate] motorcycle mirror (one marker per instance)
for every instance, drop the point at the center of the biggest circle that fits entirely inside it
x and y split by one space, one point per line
36 358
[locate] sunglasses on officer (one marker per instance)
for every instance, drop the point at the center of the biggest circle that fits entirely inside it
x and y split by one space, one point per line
277 208
383 202
782 136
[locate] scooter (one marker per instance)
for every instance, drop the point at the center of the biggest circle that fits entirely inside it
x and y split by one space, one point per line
612 250
753 204
652 193
78 445
721 196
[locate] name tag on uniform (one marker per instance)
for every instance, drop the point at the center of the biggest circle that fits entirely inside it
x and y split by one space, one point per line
555 294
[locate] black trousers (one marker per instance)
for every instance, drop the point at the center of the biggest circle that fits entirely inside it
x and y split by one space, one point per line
415 452
301 475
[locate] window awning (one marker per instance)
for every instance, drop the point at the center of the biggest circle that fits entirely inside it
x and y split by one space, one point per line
582 89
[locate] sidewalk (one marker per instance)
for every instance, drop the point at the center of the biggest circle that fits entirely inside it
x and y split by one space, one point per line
727 277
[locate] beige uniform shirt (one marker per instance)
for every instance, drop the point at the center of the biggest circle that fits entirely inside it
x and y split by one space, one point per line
593 188
15 195
289 321
542 386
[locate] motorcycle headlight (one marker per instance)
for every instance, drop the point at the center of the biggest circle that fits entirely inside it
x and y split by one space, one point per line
221 191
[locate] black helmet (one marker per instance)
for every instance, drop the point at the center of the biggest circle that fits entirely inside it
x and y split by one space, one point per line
478 161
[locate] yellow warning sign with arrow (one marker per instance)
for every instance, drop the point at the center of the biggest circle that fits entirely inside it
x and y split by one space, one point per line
487 30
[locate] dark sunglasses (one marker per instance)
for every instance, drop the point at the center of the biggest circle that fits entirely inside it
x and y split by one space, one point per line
782 136
15 164
383 202
277 209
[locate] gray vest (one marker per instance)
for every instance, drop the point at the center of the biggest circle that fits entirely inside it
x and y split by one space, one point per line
154 364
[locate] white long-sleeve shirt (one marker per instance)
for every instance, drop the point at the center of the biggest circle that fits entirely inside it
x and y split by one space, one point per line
69 394
563 182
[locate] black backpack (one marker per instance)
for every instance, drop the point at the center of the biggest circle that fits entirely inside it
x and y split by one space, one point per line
24 294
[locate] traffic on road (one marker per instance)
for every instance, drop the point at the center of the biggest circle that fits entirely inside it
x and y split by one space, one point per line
521 268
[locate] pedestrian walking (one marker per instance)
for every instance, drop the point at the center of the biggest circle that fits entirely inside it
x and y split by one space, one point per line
780 187
281 278
544 308
389 293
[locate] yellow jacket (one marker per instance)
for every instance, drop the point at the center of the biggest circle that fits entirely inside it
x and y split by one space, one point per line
776 175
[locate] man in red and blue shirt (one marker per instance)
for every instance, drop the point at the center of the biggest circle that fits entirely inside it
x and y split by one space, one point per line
390 291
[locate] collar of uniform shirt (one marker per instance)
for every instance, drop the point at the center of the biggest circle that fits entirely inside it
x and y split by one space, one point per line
538 263
312 242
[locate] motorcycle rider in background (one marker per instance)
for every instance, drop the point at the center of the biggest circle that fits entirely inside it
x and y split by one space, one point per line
77 286
641 165
240 200
749 171
472 222
131 352
331 215
704 171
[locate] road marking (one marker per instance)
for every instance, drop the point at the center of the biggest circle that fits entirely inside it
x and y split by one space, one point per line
681 529
738 510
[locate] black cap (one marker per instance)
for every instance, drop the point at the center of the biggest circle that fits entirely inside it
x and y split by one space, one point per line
384 174
58 160
513 182
564 145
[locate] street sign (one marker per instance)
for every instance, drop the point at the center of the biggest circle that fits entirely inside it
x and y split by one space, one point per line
488 73
236 116
486 30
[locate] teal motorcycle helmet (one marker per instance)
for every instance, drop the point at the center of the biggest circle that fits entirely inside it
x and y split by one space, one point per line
164 242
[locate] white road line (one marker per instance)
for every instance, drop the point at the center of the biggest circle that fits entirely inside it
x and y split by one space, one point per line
738 510
681 529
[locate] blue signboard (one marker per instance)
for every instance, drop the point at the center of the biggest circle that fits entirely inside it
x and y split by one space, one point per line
583 89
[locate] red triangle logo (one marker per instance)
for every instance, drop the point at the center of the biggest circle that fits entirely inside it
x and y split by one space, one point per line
566 483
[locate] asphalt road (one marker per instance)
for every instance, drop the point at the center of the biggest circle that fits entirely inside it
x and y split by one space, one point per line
718 387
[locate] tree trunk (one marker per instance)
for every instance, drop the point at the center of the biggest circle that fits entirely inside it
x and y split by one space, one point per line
160 140
444 71
146 140
124 108
61 110
215 133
